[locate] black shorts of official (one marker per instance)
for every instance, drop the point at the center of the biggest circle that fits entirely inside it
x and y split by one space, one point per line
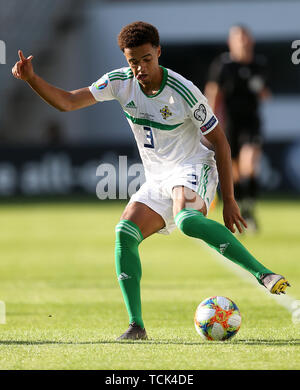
240 133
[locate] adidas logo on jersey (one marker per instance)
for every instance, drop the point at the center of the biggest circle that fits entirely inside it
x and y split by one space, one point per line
131 104
123 276
223 247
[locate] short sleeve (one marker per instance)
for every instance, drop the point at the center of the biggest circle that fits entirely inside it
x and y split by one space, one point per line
102 89
201 113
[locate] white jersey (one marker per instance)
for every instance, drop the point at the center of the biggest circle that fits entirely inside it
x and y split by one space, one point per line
167 126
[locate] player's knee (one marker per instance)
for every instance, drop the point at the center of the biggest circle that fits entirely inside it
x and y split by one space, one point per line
185 227
127 233
188 223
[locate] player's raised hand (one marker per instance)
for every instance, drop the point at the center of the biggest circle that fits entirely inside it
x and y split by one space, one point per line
23 68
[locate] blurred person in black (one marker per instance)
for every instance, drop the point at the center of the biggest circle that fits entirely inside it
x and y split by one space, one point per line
237 82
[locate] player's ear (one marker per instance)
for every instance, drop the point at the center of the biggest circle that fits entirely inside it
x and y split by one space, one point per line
158 51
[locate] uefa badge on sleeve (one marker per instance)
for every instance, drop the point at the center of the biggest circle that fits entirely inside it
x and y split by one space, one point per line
200 114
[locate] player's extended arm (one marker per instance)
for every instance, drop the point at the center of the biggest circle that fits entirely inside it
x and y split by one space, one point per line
231 211
56 97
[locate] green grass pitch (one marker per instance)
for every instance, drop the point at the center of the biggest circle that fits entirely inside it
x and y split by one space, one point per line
64 306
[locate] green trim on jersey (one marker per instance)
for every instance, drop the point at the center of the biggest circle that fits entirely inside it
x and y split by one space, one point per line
119 78
164 80
112 78
126 75
183 96
182 90
147 122
187 91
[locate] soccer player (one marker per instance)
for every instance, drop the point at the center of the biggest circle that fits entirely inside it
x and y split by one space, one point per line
237 83
168 116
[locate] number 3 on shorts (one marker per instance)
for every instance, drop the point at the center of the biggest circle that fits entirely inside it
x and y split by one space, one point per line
149 137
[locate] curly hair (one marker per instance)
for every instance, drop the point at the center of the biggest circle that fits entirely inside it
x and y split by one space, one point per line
137 34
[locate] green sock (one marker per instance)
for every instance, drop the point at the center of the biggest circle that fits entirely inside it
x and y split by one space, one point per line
193 223
128 268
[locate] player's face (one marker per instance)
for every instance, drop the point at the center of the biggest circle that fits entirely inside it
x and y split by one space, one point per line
143 60
240 42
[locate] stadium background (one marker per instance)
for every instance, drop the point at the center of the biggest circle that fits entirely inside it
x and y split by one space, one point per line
46 152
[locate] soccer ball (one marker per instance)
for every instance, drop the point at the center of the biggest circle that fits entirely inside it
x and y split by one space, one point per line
217 318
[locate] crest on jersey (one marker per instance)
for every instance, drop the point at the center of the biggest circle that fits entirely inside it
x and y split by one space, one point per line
200 113
165 112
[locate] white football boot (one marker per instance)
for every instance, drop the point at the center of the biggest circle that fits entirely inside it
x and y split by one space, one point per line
275 283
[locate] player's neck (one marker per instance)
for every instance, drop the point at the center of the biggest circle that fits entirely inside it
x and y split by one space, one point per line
154 85
246 58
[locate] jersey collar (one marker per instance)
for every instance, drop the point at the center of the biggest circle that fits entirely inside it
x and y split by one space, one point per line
164 80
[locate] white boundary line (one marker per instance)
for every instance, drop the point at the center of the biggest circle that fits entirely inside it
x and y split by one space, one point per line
287 301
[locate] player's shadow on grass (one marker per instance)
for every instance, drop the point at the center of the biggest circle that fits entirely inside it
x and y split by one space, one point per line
279 342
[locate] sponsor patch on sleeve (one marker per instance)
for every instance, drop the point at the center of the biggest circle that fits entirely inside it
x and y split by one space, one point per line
209 124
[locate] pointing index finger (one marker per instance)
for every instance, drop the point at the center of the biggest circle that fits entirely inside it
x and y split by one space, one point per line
21 56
